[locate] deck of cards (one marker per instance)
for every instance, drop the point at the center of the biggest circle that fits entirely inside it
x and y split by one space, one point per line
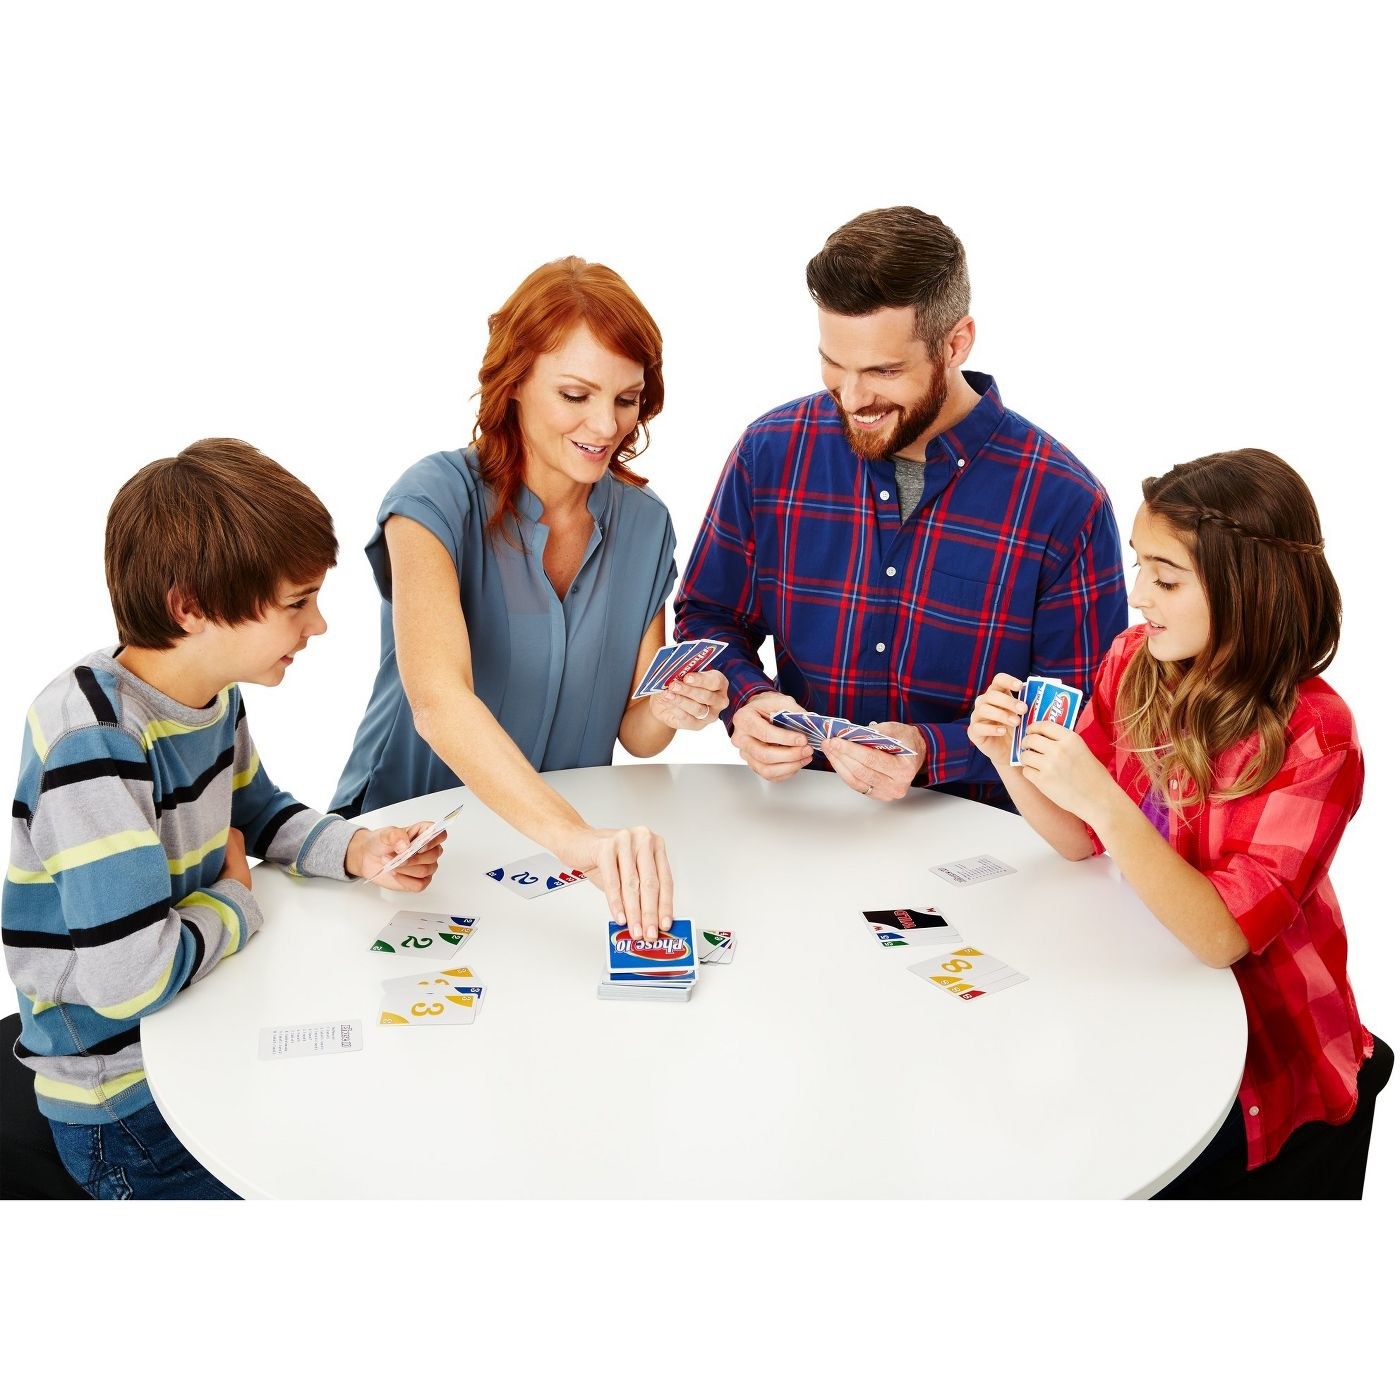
673 662
820 728
1048 700
659 969
449 998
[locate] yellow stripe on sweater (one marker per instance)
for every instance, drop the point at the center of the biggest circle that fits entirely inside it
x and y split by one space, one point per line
127 1009
36 737
71 1093
170 728
113 844
248 774
179 864
227 917
16 876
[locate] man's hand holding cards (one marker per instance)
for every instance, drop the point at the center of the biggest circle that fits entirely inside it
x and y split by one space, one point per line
877 761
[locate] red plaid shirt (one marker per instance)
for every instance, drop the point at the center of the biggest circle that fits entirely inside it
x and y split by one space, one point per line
1010 562
1267 856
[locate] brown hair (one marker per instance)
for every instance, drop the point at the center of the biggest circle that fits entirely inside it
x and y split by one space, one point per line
1251 526
224 526
536 317
894 257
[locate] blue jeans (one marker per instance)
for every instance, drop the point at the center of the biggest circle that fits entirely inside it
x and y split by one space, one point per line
136 1158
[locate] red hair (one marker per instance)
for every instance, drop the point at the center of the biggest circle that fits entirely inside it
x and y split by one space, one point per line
535 319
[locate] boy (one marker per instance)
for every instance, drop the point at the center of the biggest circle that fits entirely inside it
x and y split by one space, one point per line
140 795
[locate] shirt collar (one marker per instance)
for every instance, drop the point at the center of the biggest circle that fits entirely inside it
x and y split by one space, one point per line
531 507
965 439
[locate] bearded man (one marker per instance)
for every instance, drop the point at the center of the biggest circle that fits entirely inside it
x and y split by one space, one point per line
902 537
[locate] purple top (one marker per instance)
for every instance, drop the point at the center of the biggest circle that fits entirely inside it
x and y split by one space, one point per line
1155 810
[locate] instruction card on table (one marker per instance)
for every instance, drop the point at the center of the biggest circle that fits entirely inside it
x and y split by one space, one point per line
320 1038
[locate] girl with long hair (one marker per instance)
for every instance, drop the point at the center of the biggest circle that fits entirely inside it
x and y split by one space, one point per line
1218 770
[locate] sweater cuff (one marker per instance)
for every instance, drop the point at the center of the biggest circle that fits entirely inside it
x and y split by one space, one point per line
323 852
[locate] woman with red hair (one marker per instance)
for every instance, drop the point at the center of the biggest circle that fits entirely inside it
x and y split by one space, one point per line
524 582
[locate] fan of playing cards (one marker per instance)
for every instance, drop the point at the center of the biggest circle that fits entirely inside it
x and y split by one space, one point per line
1049 700
819 728
671 663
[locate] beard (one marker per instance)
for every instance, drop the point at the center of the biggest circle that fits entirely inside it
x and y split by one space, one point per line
910 423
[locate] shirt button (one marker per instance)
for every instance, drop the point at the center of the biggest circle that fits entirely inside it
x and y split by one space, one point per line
884 495
1254 1112
962 461
879 646
1172 784
890 571
574 589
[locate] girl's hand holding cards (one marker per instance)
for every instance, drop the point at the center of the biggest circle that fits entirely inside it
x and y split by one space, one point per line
1057 763
996 715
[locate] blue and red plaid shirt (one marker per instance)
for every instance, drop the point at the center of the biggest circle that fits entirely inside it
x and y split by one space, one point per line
1010 562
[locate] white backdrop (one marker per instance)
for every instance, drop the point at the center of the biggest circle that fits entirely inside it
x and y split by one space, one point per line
288 224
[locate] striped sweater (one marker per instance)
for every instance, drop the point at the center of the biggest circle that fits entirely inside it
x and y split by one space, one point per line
113 902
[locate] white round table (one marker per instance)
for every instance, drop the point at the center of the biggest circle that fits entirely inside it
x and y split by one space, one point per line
812 1066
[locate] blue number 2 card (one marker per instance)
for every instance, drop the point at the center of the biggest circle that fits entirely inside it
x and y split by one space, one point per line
535 875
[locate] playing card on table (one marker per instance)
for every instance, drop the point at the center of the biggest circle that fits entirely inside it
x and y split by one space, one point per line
715 945
535 875
972 870
457 980
318 1038
424 935
426 839
673 662
968 973
420 1004
904 928
1045 699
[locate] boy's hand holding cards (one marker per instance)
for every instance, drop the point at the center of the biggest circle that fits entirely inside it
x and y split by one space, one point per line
419 842
1047 700
671 663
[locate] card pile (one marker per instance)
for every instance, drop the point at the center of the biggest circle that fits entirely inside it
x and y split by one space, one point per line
716 945
449 998
903 928
1049 700
662 969
422 935
820 728
427 838
672 662
535 875
968 973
